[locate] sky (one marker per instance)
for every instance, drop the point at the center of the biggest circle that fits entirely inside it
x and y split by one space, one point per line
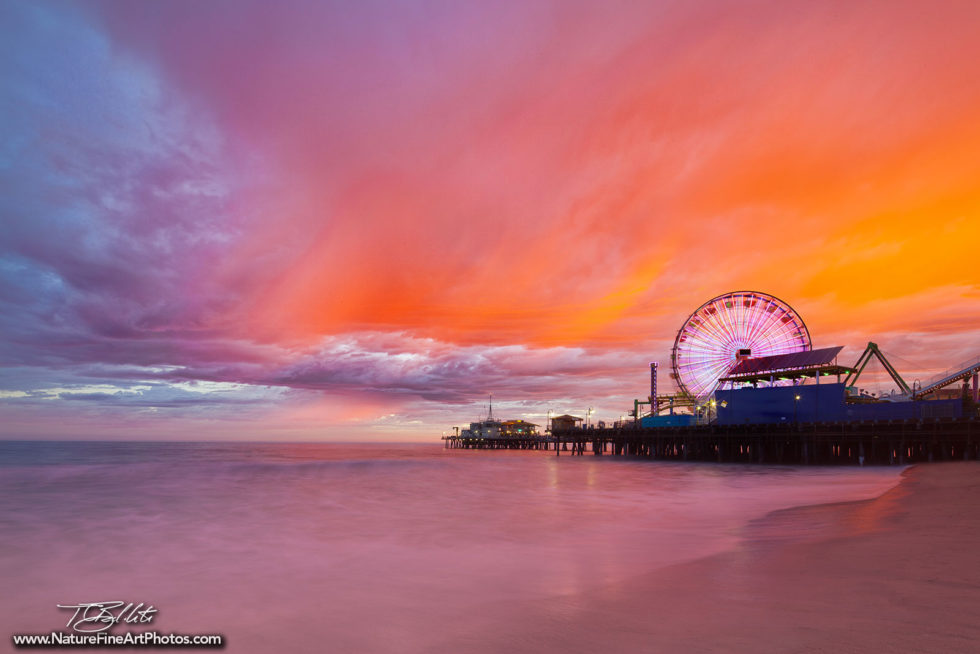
356 220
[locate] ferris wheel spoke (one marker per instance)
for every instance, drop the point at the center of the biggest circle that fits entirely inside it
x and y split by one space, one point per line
768 320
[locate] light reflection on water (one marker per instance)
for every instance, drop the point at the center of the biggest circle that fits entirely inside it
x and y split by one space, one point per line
366 547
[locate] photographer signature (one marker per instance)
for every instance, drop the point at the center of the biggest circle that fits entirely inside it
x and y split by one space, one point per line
93 617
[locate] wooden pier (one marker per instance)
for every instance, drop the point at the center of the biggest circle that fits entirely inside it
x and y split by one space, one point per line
896 442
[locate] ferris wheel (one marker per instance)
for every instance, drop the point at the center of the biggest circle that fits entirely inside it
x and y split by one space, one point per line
733 325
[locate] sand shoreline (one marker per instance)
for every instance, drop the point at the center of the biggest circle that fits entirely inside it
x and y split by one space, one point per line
898 573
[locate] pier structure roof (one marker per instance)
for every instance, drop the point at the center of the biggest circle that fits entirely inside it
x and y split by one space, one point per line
795 365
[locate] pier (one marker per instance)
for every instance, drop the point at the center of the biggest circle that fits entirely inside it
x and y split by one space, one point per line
894 442
758 392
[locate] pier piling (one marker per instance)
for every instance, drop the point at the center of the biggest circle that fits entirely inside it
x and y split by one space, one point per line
822 443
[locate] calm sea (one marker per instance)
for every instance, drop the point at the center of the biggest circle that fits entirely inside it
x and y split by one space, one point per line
387 548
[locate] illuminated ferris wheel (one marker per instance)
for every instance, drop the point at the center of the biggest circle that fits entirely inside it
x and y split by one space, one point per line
730 326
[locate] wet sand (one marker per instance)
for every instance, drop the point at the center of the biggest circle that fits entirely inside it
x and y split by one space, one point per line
900 573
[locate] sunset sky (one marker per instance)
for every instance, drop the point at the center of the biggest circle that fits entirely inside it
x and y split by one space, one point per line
355 220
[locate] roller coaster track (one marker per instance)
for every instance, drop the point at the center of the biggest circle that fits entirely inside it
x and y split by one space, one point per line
947 377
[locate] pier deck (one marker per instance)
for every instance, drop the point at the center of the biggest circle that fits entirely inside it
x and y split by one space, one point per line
896 442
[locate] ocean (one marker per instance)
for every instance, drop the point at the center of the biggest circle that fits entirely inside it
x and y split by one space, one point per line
372 548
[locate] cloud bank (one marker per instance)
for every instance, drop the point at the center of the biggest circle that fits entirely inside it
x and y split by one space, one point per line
326 215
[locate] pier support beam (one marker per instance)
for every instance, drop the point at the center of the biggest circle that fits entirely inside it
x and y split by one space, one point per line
824 443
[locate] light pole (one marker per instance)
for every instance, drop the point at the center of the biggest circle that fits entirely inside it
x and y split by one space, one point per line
547 430
796 403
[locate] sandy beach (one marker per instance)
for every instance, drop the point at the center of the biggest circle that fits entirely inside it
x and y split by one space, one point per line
895 574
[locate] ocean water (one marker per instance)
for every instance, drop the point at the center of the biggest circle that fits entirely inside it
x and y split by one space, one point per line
366 548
